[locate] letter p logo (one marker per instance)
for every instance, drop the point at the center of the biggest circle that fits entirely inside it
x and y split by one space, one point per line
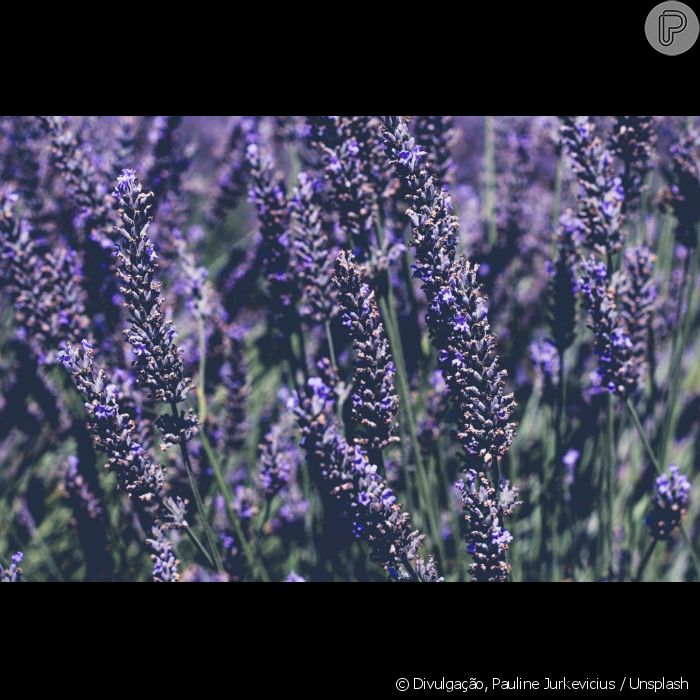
671 22
672 27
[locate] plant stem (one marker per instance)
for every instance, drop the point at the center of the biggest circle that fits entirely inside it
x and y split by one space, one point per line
645 560
329 339
546 549
405 399
253 564
610 478
489 214
196 542
211 541
411 571
690 273
201 396
556 204
559 452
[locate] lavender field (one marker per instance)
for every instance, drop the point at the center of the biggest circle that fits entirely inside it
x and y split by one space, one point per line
323 348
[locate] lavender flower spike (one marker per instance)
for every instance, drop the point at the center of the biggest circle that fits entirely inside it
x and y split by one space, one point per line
363 497
683 195
632 142
618 371
158 360
487 539
163 556
114 433
44 285
457 319
268 194
636 293
457 316
602 195
312 251
278 457
669 503
435 135
374 403
13 573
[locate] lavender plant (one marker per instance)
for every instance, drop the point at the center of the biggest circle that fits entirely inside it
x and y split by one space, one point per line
457 316
346 474
114 434
336 355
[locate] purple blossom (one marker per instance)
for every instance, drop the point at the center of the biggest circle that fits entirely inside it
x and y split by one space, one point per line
617 368
484 511
362 497
669 503
601 196
373 399
13 573
293 577
158 360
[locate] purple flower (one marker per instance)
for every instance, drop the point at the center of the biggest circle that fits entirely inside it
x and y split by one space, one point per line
374 400
632 142
103 412
293 577
269 197
618 368
115 433
545 358
601 194
313 253
279 457
165 564
158 363
344 473
484 511
669 503
434 136
13 573
457 314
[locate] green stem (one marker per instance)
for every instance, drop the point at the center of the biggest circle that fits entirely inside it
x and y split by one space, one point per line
211 541
329 339
546 532
195 541
645 560
489 214
405 399
253 564
264 519
610 479
690 273
302 352
201 396
556 205
556 484
409 569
